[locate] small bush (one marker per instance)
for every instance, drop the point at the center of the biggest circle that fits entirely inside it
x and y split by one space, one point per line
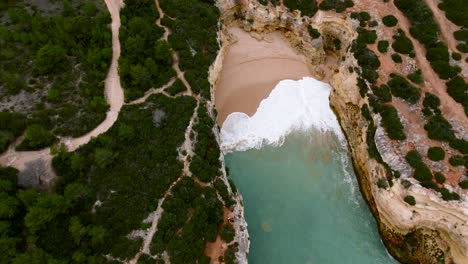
373 23
37 137
391 122
383 93
382 46
436 153
361 16
176 88
457 160
410 200
431 101
366 36
438 128
463 184
228 232
402 44
397 58
422 173
389 21
416 77
406 184
314 33
400 87
440 178
382 183
413 158
461 35
338 5
456 56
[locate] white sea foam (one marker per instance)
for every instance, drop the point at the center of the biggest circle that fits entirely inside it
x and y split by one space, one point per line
292 105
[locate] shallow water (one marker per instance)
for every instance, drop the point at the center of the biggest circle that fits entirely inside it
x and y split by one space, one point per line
302 203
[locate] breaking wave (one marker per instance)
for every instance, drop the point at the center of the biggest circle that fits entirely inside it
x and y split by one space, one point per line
291 106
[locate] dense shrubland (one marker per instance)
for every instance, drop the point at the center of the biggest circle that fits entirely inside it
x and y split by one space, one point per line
194 38
307 7
62 55
337 5
145 61
425 30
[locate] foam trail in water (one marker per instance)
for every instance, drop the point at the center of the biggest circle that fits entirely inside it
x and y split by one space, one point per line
292 105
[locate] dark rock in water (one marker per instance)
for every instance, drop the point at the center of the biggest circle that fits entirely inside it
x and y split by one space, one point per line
158 117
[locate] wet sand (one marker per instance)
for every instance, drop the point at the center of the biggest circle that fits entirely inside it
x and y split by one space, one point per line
252 68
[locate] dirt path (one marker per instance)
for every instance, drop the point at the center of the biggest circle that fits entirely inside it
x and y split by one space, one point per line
445 29
114 95
452 110
113 90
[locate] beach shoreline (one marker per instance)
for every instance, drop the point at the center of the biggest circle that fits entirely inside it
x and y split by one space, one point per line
252 67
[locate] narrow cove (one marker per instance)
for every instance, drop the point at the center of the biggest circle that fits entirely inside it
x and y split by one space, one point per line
302 203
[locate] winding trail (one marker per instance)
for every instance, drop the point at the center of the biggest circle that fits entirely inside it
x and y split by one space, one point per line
115 98
113 89
443 22
451 109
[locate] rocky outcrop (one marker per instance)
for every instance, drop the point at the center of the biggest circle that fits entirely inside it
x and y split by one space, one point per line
433 230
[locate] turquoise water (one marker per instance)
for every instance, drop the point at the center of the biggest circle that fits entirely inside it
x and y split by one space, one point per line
302 204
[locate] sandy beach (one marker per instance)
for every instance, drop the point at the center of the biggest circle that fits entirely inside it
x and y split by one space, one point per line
252 68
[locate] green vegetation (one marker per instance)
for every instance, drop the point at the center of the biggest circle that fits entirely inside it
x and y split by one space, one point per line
436 153
426 31
457 88
145 61
397 58
223 191
424 175
456 11
438 128
461 35
194 38
205 165
382 183
64 52
457 160
391 122
366 58
36 137
413 158
307 7
227 233
361 16
406 184
191 218
12 126
373 23
366 36
363 87
456 56
338 5
410 200
314 33
401 88
383 93
176 88
390 21
440 178
416 77
382 46
402 44
463 184
127 183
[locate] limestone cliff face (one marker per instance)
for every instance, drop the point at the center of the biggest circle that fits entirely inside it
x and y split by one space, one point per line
433 230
